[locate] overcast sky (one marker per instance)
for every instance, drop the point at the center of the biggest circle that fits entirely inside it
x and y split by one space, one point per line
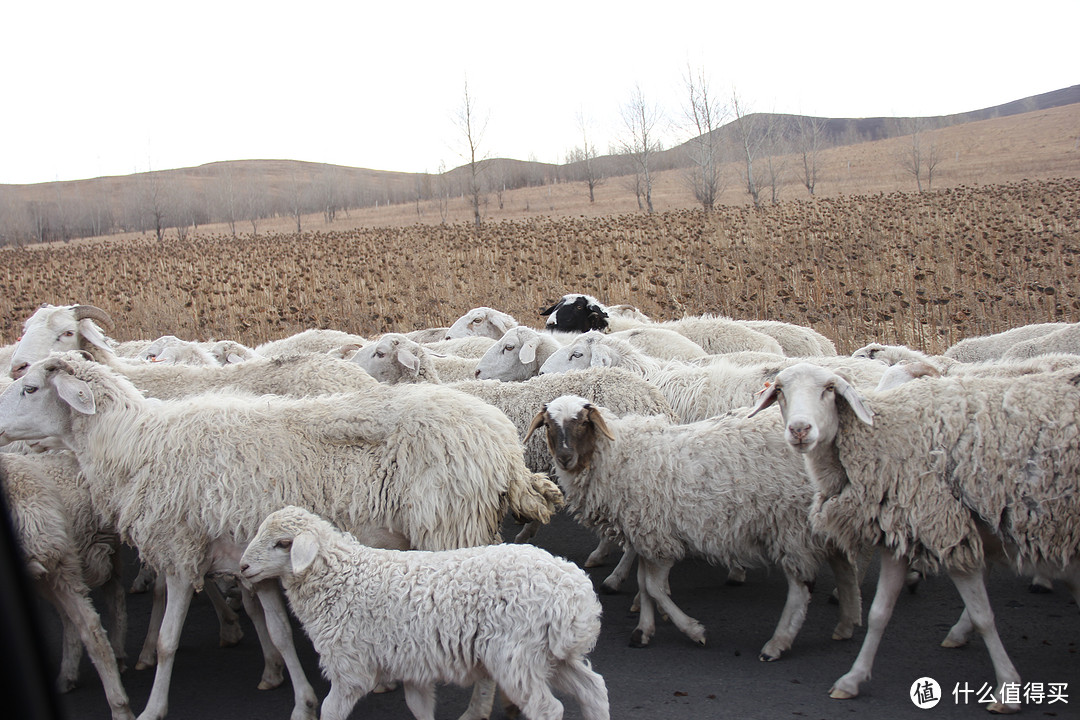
110 88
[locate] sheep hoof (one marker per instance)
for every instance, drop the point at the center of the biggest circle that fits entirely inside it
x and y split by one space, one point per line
64 685
1002 709
838 694
950 643
638 639
608 589
141 665
230 635
765 657
844 634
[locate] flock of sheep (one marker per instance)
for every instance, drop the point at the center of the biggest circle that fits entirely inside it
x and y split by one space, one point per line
364 482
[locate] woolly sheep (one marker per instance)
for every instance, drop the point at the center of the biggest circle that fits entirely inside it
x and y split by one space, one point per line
482 322
723 489
518 355
428 334
171 349
187 481
228 352
1063 340
514 613
67 554
468 347
893 354
695 393
932 473
394 358
308 341
992 347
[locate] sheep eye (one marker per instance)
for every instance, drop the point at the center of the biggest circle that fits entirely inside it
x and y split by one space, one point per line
380 354
508 348
283 544
477 320
69 333
830 388
29 390
575 355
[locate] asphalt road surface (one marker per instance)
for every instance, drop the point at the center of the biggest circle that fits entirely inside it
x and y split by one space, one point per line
672 679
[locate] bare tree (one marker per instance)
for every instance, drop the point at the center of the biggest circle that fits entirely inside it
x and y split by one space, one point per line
228 192
585 157
750 136
472 129
641 119
775 149
704 116
921 157
809 142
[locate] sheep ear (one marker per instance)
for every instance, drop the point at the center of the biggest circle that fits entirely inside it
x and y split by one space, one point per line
552 309
91 334
408 361
502 322
304 549
854 401
536 422
75 392
601 357
598 421
766 397
528 351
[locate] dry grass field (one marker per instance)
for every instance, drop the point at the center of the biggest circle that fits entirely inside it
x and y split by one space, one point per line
995 244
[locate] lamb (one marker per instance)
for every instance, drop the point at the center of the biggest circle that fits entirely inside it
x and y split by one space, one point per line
513 613
940 473
68 553
1063 340
482 322
187 481
722 489
308 341
992 347
695 393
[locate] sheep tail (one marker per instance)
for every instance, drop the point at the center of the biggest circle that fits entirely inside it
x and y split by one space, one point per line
533 497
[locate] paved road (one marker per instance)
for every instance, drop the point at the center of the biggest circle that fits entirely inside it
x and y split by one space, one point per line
673 679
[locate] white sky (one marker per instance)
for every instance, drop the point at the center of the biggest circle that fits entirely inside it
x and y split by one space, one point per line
110 88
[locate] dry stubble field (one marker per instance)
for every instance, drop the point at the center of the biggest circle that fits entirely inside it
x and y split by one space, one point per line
922 269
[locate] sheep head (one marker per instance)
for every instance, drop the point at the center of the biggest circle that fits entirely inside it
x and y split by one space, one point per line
576 313
807 395
572 425
39 404
55 328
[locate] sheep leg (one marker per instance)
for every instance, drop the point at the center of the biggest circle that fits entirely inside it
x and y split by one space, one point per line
483 699
420 697
656 580
529 691
341 699
229 630
618 576
178 599
959 632
277 625
71 652
574 676
972 588
849 595
890 582
116 609
273 664
148 654
527 532
144 580
75 606
646 618
604 548
791 620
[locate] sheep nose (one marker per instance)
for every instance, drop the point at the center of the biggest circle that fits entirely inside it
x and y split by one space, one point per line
477 374
799 430
565 458
244 567
19 371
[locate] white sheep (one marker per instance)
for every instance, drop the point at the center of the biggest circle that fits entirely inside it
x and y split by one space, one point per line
694 392
394 358
513 613
187 481
992 347
171 349
723 489
894 354
519 354
67 553
468 347
482 322
1062 340
935 471
314 340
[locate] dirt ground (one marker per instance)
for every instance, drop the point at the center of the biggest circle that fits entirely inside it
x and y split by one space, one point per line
672 678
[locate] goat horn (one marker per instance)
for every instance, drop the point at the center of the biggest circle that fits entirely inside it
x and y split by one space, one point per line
83 312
